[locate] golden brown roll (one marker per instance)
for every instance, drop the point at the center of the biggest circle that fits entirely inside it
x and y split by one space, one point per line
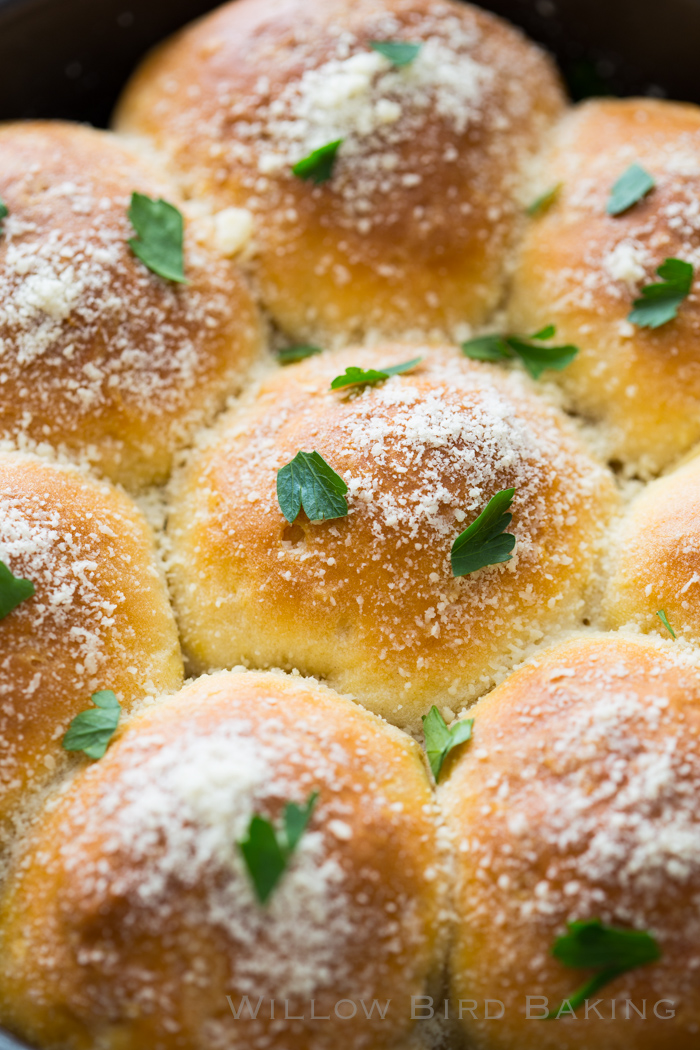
100 357
131 919
581 269
412 230
99 617
655 558
575 801
369 601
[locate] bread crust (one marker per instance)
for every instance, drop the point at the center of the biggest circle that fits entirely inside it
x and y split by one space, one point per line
135 873
655 558
99 618
575 800
413 231
369 601
581 269
101 358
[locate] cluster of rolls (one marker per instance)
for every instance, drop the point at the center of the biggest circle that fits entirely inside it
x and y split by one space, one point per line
400 804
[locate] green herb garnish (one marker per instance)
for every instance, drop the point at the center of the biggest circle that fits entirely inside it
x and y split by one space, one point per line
660 302
398 52
13 590
308 482
535 358
592 946
664 619
632 185
291 354
485 542
160 230
439 740
267 852
544 201
360 376
4 212
319 164
92 730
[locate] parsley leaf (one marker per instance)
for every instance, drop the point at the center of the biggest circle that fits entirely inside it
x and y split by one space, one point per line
439 740
92 730
542 203
319 164
632 185
664 619
534 358
487 348
4 212
399 52
610 951
267 852
660 302
159 244
485 541
291 354
357 376
296 819
13 590
308 482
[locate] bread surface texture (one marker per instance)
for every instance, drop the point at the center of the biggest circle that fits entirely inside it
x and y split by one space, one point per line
102 359
582 270
131 917
576 801
369 601
413 229
99 617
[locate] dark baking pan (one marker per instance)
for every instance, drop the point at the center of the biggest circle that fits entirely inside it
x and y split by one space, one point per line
70 58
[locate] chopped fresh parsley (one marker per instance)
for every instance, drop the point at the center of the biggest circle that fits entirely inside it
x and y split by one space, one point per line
659 302
291 354
664 619
534 357
308 482
485 542
4 212
92 730
399 52
439 740
592 946
159 244
318 166
632 185
267 851
13 590
360 376
542 203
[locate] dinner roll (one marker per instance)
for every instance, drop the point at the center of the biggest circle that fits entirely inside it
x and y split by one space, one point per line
100 357
411 231
369 601
99 617
655 560
581 269
576 801
131 918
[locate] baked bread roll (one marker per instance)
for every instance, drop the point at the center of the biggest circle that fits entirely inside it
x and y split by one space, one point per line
100 357
131 918
575 801
582 269
99 617
655 559
411 231
369 601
